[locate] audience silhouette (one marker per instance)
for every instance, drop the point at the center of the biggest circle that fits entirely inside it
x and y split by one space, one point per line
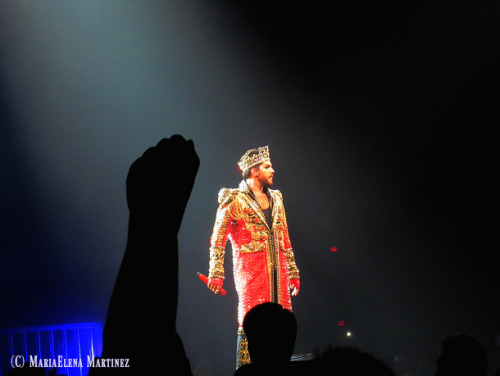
349 361
271 332
141 319
462 355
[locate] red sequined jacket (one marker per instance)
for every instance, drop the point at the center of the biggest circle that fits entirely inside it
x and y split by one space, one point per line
263 259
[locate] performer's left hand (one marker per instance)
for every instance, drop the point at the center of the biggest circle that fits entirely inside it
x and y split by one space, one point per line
295 286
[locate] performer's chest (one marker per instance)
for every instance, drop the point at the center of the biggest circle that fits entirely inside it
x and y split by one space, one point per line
250 217
262 200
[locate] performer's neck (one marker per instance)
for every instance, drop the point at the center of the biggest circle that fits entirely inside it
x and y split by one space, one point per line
255 186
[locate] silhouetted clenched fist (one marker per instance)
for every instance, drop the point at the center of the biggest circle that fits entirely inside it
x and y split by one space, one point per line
159 183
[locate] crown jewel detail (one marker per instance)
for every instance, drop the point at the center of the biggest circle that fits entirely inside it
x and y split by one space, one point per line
254 157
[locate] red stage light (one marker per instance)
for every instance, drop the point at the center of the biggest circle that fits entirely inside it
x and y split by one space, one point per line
333 249
341 323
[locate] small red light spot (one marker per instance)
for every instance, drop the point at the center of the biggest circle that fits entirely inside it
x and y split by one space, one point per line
333 249
341 323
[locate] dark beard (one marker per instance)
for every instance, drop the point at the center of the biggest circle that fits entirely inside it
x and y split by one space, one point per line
266 184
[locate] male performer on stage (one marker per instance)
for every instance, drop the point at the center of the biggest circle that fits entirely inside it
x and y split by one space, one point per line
253 217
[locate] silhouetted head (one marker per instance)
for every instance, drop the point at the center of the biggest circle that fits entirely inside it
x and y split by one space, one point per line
462 355
271 331
350 361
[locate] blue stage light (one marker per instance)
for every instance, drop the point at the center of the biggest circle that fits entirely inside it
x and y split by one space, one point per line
68 347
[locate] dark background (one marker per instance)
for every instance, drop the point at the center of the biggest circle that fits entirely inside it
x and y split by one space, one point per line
381 124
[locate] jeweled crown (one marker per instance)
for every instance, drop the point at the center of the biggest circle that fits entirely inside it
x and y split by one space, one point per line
254 157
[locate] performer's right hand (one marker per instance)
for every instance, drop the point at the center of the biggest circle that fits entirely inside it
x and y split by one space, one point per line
215 284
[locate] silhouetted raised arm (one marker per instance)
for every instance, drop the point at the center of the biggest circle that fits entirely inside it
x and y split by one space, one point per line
141 320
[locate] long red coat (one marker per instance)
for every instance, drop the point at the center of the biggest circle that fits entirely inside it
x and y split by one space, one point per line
263 259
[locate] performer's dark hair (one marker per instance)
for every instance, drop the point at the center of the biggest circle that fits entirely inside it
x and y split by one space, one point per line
248 173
